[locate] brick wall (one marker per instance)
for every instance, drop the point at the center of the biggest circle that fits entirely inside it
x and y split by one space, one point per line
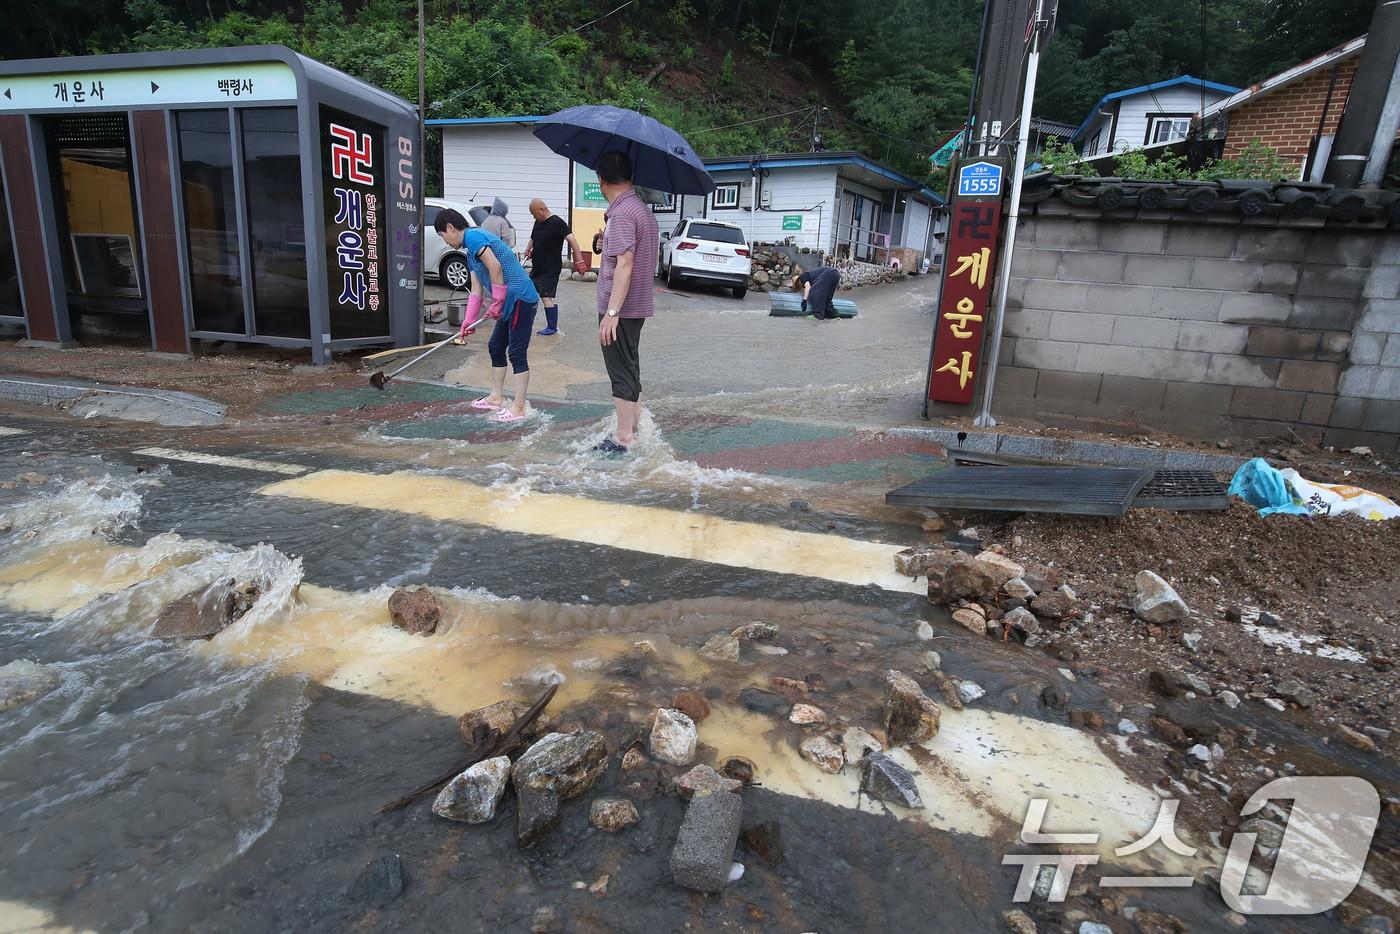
1214 329
1287 119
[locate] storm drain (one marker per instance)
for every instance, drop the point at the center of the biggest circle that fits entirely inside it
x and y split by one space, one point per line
1083 491
1182 491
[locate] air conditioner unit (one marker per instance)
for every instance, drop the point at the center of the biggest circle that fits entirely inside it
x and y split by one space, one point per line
745 195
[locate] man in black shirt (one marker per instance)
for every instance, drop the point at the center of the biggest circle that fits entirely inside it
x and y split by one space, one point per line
544 250
818 287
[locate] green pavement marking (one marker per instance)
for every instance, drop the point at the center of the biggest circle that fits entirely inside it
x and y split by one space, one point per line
444 427
333 400
759 433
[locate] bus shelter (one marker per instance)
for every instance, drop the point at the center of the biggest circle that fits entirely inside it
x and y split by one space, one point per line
247 194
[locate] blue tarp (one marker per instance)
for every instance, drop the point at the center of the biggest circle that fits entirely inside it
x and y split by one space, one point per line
1264 487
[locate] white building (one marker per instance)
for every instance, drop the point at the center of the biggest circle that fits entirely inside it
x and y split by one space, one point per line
838 202
1147 115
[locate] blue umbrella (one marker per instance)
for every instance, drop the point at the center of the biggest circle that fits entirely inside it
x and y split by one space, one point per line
661 158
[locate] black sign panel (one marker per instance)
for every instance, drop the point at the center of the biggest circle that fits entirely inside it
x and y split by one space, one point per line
352 150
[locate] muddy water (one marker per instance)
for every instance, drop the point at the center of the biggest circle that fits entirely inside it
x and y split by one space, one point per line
231 784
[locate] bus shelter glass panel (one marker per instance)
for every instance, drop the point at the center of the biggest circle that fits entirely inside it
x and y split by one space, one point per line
92 177
11 302
211 220
272 180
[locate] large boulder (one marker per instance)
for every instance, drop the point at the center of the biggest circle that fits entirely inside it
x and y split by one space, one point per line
886 780
1001 568
953 575
910 715
673 737
558 766
915 562
415 611
498 717
472 797
1156 601
200 614
566 764
22 681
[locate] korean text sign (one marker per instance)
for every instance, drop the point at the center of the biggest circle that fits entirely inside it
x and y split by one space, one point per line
968 266
355 218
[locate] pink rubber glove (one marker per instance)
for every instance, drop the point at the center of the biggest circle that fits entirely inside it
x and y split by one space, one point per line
498 301
472 317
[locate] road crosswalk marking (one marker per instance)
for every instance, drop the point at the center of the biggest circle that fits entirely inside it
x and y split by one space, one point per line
665 532
220 460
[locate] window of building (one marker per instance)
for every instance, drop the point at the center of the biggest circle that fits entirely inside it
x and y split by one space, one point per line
1167 128
667 205
725 196
1092 149
277 234
211 220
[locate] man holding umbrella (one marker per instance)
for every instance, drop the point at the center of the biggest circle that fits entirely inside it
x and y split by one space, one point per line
631 241
624 147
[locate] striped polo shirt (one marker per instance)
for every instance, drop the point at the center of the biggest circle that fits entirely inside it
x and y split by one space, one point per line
630 225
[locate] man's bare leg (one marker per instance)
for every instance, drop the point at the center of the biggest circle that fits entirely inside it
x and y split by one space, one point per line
637 416
626 421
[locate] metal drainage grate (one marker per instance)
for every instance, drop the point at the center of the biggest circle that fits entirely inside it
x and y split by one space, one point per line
1085 491
1182 490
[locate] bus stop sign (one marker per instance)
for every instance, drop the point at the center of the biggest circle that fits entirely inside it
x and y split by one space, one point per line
979 179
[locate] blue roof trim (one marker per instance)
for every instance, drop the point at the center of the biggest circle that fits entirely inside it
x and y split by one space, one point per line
1146 88
731 164
479 121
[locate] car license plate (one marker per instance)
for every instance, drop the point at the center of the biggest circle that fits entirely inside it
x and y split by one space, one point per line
714 258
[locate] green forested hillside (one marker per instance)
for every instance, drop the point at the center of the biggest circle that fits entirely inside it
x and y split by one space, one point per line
890 78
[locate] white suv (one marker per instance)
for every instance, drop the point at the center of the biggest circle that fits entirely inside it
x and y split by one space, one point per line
449 266
704 250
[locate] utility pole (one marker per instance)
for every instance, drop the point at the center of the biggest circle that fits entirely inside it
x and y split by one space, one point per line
998 81
423 161
1038 32
1367 131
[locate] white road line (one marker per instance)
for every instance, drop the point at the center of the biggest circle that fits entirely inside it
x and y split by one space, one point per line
686 535
7 432
243 463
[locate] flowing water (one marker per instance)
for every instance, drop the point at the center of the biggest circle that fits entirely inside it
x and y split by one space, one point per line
232 784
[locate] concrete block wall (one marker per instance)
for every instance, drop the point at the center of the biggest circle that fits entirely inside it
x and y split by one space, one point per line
1206 329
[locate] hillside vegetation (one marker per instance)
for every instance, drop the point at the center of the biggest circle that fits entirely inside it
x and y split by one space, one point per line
735 76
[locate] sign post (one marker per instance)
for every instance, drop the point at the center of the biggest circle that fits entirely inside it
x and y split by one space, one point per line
970 255
1037 31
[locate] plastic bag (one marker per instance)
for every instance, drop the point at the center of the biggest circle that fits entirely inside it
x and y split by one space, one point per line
1285 491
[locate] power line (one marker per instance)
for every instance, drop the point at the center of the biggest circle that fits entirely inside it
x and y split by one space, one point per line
902 139
730 126
460 94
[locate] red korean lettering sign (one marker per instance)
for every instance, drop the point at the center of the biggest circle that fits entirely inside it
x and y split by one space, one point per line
353 179
968 266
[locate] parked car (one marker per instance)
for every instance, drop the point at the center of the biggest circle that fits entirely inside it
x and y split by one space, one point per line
703 250
440 261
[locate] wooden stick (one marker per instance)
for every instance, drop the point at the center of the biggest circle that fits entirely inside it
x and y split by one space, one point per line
487 744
